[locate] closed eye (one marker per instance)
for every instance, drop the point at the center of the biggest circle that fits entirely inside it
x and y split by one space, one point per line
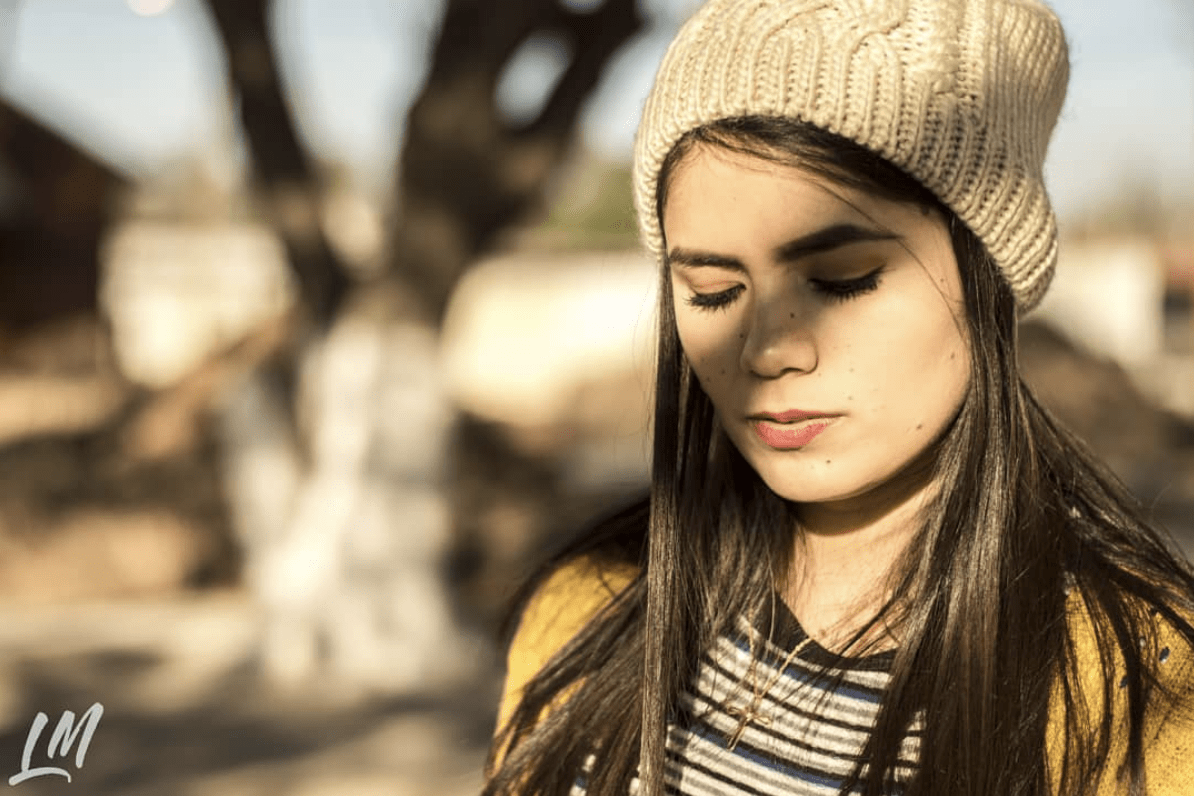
845 289
715 301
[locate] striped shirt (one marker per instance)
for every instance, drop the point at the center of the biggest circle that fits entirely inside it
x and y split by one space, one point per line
810 714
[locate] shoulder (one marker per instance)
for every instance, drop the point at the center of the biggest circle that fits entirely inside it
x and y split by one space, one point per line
557 611
1162 649
1169 713
1169 728
559 608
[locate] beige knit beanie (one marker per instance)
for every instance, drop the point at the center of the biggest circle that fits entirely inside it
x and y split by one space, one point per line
961 94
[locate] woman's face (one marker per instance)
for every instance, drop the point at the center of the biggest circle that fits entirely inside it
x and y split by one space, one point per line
825 324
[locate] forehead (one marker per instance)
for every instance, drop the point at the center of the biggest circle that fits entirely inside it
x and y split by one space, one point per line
714 192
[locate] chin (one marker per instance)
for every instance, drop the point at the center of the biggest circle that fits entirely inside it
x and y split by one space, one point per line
818 476
864 481
811 490
809 484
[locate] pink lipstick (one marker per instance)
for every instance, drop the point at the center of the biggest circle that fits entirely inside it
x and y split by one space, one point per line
786 431
788 438
790 416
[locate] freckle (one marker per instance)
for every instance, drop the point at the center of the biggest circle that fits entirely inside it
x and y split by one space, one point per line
919 426
723 371
851 370
829 461
953 354
849 397
791 315
741 336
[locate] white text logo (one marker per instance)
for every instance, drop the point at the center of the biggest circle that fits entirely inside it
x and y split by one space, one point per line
63 738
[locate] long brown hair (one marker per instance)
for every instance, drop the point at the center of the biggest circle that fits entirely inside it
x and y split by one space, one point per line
1025 513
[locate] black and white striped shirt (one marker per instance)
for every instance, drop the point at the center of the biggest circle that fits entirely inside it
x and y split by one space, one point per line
811 714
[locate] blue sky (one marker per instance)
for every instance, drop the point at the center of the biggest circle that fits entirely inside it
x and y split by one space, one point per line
141 90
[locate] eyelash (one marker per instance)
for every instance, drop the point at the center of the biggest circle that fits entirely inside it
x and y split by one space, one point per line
835 291
715 301
846 289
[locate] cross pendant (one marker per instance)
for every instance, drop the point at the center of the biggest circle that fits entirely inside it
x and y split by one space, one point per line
748 713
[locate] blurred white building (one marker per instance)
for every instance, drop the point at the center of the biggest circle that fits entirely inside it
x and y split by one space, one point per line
176 292
1107 296
560 346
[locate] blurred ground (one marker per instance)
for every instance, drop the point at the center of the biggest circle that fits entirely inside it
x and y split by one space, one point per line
184 713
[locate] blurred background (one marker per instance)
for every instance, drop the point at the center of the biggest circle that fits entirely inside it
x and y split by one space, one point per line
319 321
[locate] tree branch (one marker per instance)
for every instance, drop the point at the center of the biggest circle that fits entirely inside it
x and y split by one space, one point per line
282 173
466 175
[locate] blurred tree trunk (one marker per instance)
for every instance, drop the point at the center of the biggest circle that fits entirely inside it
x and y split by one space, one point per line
338 477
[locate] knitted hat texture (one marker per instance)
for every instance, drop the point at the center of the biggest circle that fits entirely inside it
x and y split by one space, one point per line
961 94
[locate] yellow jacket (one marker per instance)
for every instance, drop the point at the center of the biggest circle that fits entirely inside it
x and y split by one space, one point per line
572 595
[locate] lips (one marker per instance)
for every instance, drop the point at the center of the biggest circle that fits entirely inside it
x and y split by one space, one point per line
790 429
790 416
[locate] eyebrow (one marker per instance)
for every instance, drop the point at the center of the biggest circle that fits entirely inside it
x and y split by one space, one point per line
818 242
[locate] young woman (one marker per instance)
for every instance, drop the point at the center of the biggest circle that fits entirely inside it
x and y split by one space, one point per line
870 561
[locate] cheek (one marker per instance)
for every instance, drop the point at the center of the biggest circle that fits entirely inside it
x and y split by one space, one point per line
711 345
711 371
912 368
944 378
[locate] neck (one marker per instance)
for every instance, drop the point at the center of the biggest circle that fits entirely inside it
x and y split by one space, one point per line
844 557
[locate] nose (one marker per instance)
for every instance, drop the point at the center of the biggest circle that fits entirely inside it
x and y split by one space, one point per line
779 339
